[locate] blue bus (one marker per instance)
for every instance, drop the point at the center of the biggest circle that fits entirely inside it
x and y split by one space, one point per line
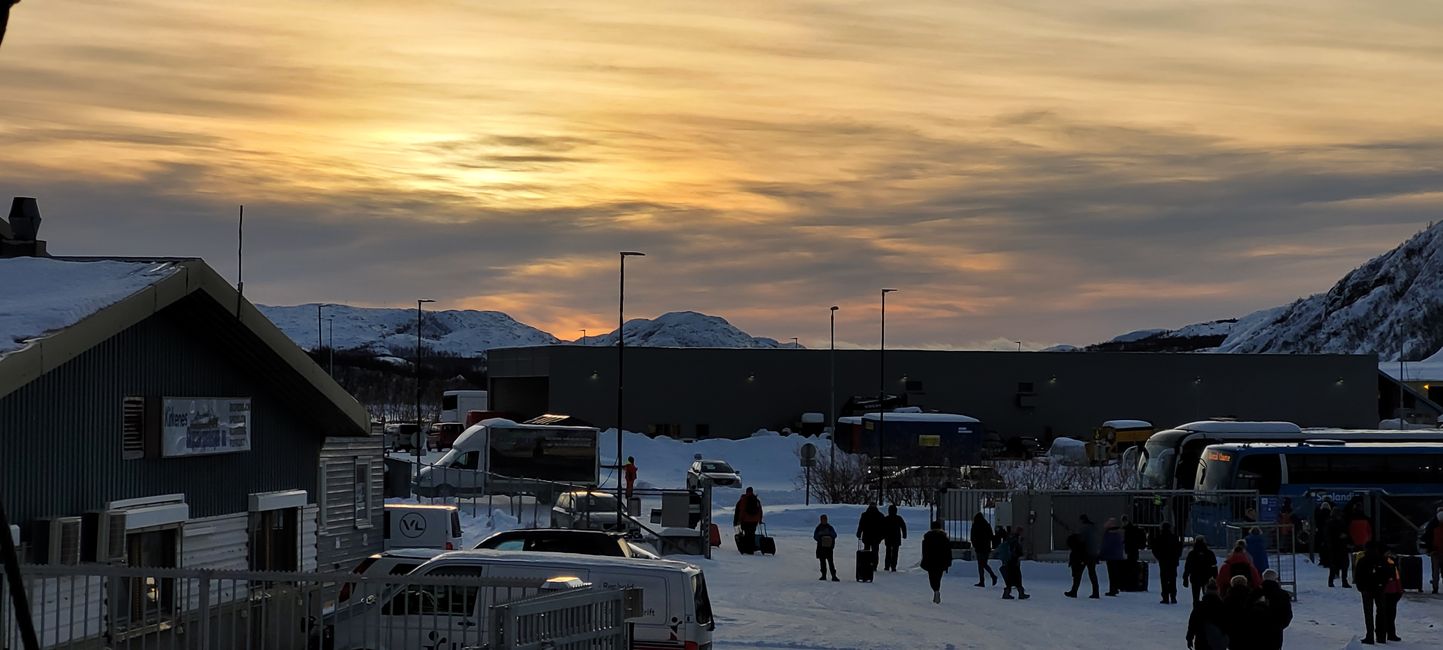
1409 476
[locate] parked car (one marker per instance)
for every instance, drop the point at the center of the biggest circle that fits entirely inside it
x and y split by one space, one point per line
414 525
582 509
718 472
565 540
981 477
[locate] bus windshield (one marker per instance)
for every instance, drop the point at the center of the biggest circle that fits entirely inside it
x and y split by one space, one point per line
1157 469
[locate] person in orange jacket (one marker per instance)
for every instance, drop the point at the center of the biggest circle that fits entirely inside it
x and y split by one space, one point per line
629 470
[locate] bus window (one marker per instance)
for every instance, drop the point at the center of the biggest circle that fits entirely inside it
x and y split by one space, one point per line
1261 472
1157 470
1215 473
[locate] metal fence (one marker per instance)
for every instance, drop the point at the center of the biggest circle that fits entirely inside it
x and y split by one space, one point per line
124 608
1280 542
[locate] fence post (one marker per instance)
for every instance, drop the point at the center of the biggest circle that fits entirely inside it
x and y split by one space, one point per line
18 596
204 606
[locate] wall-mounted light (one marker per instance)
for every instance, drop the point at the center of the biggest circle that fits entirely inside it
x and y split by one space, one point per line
1196 380
1052 379
1340 381
595 375
752 377
903 379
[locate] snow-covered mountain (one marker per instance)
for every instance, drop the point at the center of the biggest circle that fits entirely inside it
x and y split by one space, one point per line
392 332
389 332
685 329
1392 304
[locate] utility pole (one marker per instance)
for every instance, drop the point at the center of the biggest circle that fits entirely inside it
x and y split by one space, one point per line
620 377
882 402
420 436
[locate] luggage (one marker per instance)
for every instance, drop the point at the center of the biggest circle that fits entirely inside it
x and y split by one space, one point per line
1140 570
747 545
961 550
1410 571
766 543
714 536
866 563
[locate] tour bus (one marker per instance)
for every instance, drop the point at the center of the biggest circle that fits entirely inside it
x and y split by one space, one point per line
676 610
1170 458
1298 475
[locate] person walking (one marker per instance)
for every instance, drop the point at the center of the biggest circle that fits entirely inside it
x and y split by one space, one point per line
1360 529
1134 539
629 470
1369 576
1236 602
1340 547
1388 606
826 538
894 530
747 515
1167 550
936 558
1205 624
1113 551
1009 555
1239 564
982 538
1321 515
869 528
1257 548
1200 569
1433 545
1272 612
1082 554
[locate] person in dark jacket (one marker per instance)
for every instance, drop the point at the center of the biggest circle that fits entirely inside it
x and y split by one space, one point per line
1270 613
1082 554
982 539
1114 552
1321 515
1340 546
1388 606
826 538
1236 602
1200 568
894 530
1370 577
1134 539
1009 554
1167 550
936 558
869 528
1205 624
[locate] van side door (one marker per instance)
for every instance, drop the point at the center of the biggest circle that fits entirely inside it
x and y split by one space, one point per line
436 616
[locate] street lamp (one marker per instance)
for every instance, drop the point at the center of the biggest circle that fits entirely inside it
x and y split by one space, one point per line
882 400
620 357
832 391
1019 345
796 345
583 336
331 351
420 439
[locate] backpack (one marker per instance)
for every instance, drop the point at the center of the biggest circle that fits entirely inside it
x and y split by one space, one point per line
753 506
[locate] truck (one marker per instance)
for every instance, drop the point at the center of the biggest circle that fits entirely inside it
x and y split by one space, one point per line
500 456
456 403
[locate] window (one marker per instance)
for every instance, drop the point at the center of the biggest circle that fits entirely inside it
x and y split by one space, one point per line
448 402
511 545
362 489
468 460
1261 472
703 602
132 437
150 600
422 600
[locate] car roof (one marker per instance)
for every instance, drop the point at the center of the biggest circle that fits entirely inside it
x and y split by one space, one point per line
553 532
573 559
410 553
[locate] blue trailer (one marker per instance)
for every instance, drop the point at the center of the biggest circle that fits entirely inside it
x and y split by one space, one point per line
922 438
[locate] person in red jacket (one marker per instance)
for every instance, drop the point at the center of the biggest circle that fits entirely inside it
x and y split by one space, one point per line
1239 563
748 513
629 469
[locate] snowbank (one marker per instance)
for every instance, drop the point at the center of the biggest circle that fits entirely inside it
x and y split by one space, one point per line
43 295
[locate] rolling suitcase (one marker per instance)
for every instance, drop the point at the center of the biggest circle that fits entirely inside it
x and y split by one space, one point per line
866 563
746 545
1140 584
715 536
766 544
1410 571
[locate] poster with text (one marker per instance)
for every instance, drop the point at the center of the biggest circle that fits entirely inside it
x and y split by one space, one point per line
192 426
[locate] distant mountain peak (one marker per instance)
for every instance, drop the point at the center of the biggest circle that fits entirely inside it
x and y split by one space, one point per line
684 329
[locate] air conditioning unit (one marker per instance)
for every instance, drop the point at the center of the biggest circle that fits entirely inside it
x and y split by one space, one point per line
57 540
105 541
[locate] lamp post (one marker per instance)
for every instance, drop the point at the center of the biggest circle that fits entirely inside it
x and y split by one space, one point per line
583 336
420 439
331 350
882 400
796 344
832 393
620 357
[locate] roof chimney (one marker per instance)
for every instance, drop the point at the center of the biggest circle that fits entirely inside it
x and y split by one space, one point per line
18 237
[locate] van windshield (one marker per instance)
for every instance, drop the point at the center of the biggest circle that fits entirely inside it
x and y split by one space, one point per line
703 601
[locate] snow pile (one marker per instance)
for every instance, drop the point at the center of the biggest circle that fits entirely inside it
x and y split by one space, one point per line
685 329
43 295
392 332
1430 369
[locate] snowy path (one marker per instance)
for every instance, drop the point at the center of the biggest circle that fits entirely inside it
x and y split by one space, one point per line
777 602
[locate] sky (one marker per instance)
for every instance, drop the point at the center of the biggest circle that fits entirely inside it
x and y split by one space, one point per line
1027 171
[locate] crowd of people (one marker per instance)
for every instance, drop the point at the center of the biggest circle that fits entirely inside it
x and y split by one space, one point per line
1238 603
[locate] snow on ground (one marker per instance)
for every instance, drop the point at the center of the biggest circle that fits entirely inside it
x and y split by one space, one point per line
43 295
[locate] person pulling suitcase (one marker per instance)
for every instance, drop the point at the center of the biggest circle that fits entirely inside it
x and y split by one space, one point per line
826 537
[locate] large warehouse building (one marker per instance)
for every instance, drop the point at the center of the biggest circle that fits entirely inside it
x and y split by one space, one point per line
700 393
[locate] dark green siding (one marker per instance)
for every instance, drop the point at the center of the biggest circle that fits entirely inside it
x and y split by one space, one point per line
60 435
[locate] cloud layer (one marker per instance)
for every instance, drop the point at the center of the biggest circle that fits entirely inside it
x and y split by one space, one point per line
1034 171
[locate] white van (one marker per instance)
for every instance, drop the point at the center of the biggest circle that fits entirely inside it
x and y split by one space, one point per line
414 525
490 452
675 605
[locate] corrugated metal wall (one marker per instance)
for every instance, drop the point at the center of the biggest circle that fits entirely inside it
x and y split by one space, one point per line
60 435
341 540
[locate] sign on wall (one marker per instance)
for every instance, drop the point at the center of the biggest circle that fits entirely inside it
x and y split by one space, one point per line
192 426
